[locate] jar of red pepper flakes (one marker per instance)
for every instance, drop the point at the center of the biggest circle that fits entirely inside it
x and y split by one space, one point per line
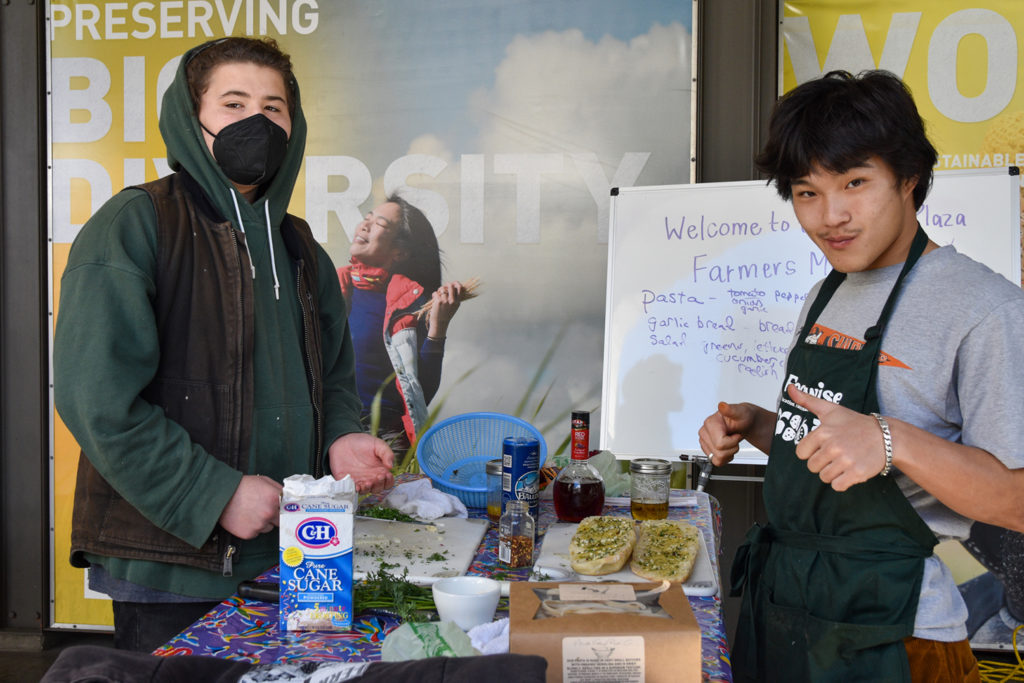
515 535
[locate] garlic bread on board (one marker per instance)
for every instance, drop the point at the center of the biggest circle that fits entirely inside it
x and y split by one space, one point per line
666 549
601 545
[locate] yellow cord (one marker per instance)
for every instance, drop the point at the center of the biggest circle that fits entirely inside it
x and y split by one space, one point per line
998 672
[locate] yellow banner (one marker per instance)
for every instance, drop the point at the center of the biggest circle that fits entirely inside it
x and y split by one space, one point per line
961 64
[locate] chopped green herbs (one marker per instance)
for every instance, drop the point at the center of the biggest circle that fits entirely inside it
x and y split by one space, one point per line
382 512
382 590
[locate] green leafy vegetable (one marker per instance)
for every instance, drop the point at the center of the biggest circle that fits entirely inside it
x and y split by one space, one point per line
383 590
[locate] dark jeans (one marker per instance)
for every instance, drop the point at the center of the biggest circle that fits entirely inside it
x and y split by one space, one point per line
1001 551
145 626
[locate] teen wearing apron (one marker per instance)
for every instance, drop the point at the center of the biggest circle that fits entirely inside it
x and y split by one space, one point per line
830 586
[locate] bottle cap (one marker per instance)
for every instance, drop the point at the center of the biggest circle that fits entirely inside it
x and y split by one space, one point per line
494 466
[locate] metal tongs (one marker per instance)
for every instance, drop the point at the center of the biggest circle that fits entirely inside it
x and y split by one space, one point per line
704 466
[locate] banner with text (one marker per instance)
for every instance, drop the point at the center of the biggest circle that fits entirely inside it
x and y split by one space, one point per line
961 63
506 121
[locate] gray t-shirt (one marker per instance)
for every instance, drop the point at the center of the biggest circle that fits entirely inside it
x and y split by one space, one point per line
951 367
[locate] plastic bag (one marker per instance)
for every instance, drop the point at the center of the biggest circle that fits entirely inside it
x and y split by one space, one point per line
420 640
616 482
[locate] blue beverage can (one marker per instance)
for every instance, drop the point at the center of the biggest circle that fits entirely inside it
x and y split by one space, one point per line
520 471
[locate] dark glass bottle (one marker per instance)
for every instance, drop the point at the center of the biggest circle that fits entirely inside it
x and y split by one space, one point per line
578 489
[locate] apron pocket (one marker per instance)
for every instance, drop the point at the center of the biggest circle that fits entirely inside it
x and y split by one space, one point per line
802 647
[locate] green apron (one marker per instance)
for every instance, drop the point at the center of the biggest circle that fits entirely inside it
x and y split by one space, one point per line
830 586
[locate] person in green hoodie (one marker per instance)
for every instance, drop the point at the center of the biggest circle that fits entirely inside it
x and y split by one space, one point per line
202 353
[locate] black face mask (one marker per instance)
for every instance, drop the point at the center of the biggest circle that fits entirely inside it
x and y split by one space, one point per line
251 150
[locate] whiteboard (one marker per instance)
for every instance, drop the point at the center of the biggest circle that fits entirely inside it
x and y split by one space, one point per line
706 281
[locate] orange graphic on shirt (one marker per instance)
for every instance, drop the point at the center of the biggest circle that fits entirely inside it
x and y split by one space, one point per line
826 336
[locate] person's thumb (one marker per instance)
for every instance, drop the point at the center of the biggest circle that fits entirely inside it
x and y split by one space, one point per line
730 411
818 406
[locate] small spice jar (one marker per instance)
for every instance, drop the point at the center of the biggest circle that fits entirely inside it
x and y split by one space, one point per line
649 486
494 490
515 535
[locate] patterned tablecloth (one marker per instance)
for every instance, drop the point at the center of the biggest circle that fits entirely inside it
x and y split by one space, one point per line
247 629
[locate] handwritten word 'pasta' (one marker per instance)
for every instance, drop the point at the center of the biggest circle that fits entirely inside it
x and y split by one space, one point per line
648 297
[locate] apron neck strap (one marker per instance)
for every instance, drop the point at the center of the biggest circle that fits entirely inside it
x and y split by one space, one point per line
835 278
916 249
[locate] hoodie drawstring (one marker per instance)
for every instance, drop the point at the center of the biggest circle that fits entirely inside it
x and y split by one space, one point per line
270 241
241 226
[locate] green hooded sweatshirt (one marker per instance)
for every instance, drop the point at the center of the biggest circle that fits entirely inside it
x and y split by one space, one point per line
106 352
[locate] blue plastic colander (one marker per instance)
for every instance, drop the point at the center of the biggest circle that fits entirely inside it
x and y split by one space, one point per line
455 451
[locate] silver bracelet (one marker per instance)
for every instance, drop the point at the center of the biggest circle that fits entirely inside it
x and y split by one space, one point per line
887 440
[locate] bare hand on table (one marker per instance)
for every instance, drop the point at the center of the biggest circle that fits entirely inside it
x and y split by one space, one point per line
253 508
847 446
366 458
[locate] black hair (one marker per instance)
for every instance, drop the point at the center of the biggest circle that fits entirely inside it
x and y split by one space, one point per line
237 50
419 254
838 121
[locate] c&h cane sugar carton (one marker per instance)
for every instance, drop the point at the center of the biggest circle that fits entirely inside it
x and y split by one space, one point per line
316 553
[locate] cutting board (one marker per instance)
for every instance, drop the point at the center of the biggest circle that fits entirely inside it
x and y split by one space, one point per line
554 553
411 546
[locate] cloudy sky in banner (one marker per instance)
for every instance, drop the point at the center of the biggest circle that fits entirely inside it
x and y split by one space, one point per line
592 94
442 52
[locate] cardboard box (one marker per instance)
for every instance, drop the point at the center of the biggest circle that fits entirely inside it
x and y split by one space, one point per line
606 632
316 560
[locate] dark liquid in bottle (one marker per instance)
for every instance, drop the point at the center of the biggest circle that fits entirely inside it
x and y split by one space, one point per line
575 500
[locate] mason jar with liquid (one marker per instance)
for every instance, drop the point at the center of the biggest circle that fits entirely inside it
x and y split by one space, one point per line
649 488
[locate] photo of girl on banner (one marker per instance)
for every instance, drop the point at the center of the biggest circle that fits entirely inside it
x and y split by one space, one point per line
399 312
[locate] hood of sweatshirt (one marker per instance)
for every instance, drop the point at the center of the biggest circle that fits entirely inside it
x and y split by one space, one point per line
187 150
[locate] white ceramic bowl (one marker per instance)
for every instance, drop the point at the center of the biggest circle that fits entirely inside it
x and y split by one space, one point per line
466 600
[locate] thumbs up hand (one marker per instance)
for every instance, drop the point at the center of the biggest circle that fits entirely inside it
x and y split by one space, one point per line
847 446
722 432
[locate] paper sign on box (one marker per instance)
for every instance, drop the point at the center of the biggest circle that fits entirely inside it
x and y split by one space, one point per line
653 637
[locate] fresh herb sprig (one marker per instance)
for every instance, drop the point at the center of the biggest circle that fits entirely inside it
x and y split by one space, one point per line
381 512
383 590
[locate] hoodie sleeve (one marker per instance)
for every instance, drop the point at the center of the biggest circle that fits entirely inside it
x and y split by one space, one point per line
106 351
341 399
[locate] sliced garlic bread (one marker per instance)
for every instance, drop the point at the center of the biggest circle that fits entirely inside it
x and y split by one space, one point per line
601 545
666 549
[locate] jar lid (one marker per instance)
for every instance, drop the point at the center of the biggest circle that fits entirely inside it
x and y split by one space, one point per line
650 466
493 466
